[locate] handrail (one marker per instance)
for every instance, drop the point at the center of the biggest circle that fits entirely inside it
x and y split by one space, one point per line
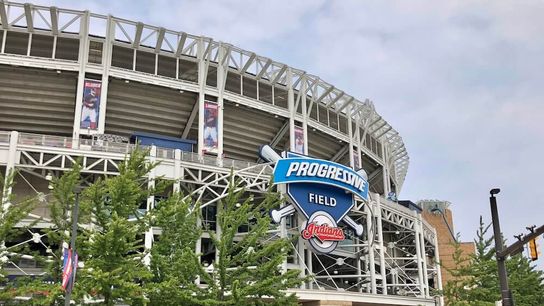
29 139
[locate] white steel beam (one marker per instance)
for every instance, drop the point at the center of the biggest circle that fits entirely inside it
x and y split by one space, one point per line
190 121
305 119
160 38
279 135
82 61
421 283
389 128
4 16
348 102
340 153
137 35
338 97
300 78
371 237
54 20
248 63
28 16
106 63
279 74
221 80
148 238
381 252
324 94
263 70
181 43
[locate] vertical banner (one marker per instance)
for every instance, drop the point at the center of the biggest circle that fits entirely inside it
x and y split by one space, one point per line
211 113
299 140
90 108
356 165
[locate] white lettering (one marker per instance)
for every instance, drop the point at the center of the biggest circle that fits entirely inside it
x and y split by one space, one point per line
303 169
338 174
312 170
322 172
321 199
331 172
327 171
292 168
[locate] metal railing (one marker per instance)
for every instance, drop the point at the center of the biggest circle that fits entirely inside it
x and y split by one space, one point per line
95 145
4 136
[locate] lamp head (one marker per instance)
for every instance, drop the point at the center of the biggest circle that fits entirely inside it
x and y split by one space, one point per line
494 191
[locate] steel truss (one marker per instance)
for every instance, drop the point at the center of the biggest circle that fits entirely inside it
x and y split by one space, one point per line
303 88
397 255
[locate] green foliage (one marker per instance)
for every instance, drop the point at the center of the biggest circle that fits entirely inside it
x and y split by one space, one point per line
11 213
247 266
476 277
113 247
174 264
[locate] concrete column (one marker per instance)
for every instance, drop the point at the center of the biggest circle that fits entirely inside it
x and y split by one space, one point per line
423 257
378 213
437 267
10 168
371 246
221 80
201 85
82 59
106 64
177 170
304 115
292 110
417 229
350 134
148 239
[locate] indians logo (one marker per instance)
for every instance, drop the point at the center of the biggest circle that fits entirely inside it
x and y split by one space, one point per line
320 190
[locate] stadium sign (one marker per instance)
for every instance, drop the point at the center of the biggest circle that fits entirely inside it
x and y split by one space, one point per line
322 191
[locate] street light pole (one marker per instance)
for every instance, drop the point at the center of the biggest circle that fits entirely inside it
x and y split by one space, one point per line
506 294
75 211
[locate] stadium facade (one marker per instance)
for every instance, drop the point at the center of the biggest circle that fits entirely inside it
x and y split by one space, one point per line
77 85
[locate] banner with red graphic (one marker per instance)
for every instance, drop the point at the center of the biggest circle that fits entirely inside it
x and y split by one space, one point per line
211 115
299 140
90 108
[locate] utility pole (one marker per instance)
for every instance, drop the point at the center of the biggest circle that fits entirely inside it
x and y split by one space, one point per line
75 211
506 294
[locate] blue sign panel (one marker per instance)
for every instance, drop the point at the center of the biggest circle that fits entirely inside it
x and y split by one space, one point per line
333 200
322 191
302 169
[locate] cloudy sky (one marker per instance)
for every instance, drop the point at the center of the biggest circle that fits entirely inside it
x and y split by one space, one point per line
462 81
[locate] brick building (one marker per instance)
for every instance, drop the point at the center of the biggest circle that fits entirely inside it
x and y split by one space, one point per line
438 214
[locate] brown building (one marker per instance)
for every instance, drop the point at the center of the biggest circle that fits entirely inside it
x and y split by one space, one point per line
438 214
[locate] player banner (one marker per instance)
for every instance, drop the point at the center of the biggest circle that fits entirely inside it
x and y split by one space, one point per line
90 109
299 140
211 113
356 164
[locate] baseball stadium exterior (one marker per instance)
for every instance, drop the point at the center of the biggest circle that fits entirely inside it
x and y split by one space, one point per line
78 85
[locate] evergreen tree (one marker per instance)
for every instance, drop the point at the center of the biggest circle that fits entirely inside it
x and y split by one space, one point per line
113 247
174 263
46 289
455 289
247 268
478 283
11 213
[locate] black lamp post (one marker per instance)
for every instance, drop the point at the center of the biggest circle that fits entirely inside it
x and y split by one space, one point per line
506 294
75 211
